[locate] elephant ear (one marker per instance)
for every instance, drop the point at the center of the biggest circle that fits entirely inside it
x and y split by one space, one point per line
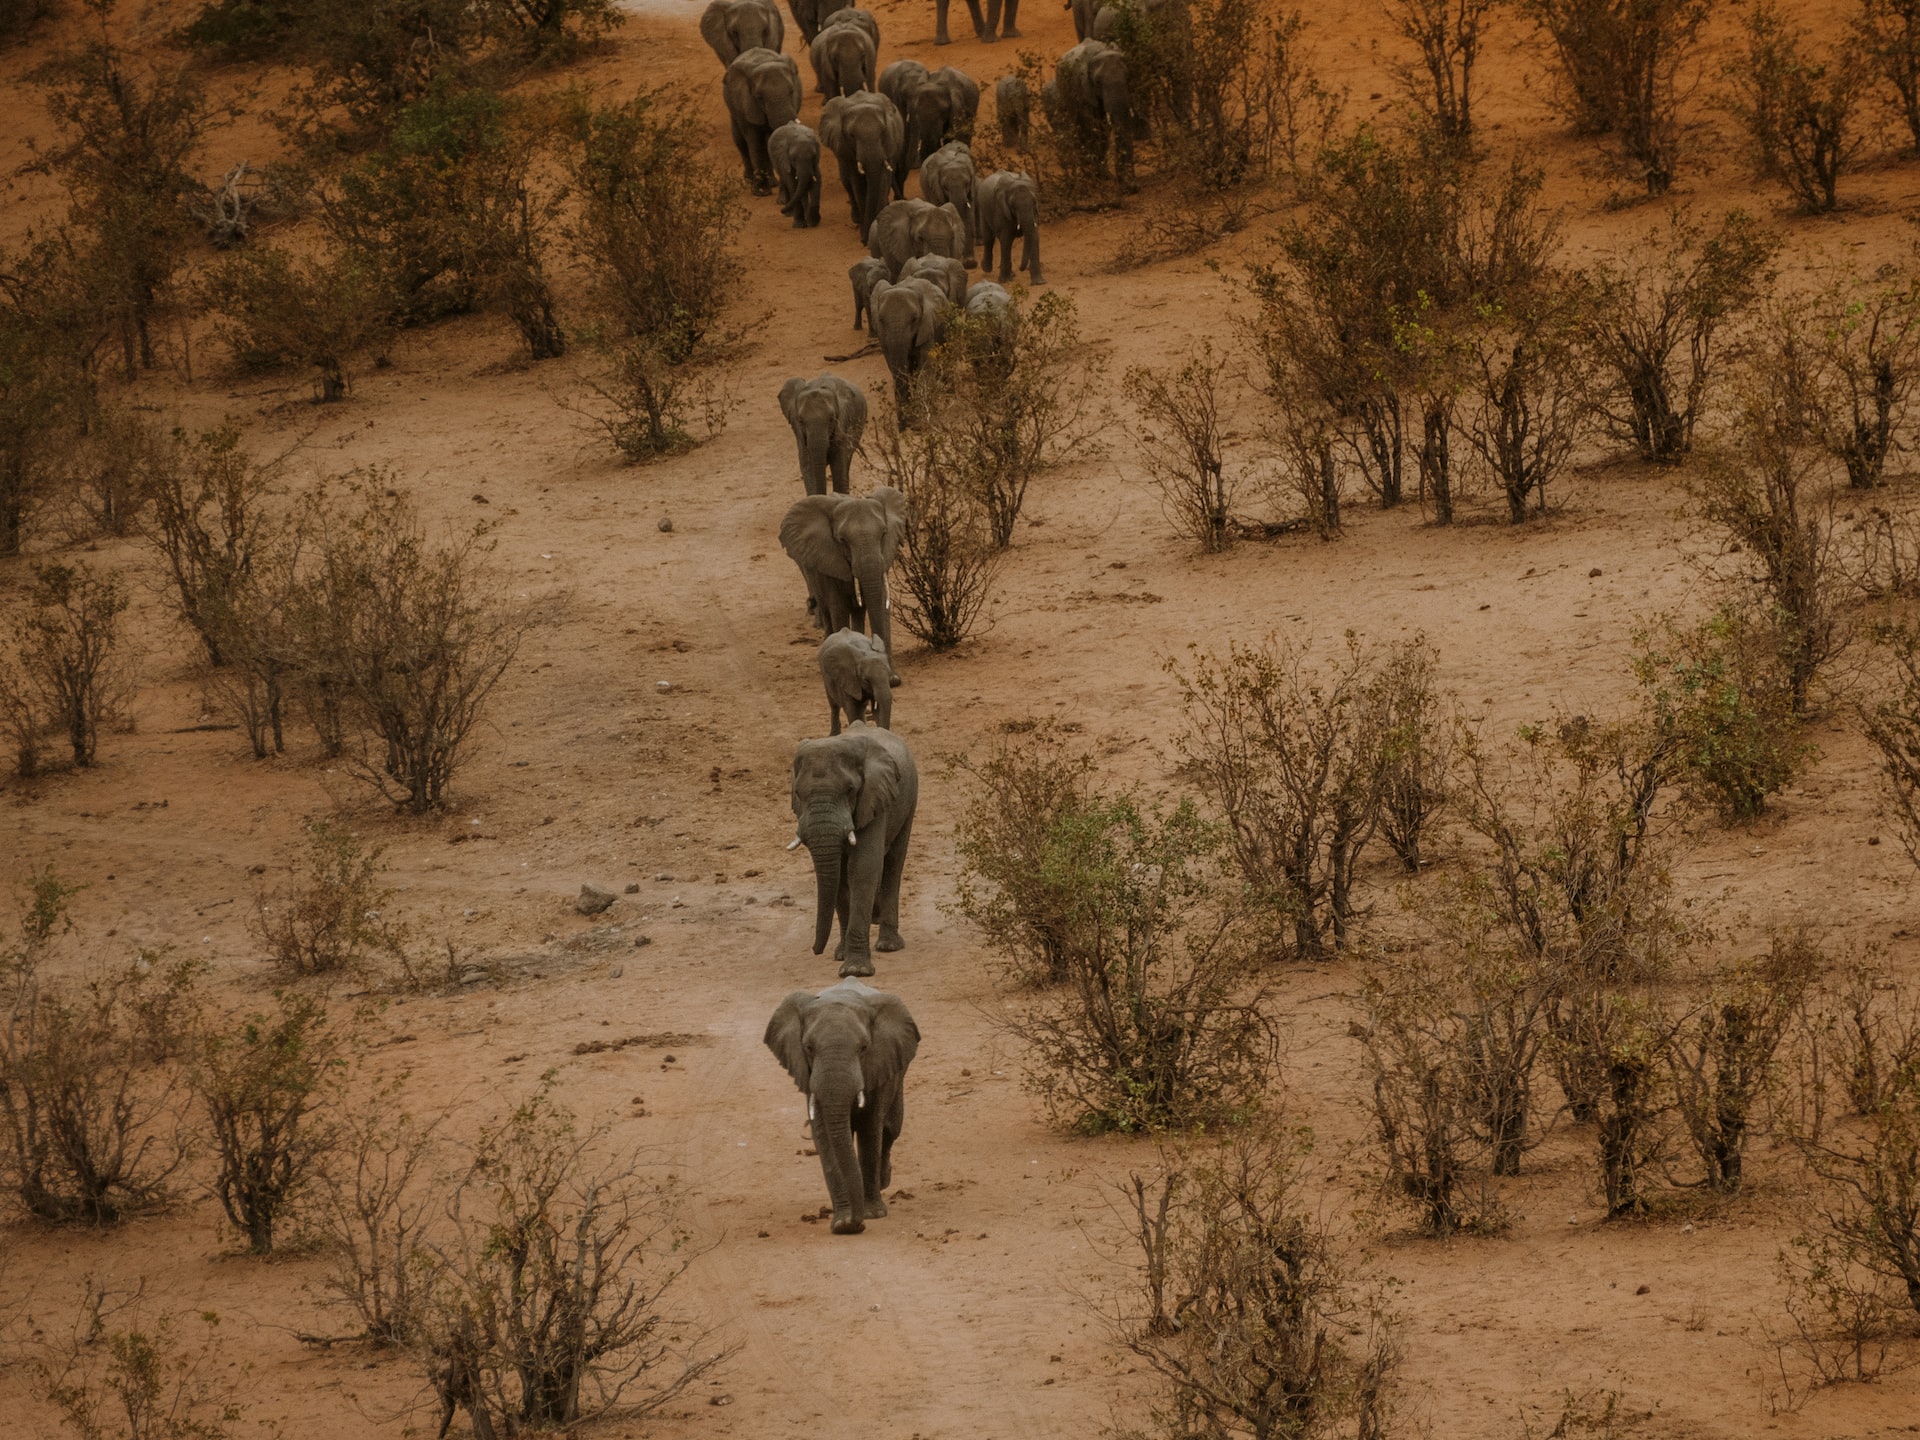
893 1038
786 1036
893 504
831 120
807 535
879 784
790 392
713 30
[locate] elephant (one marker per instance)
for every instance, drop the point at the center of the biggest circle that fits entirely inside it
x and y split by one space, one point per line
1090 87
864 131
1085 13
812 15
940 270
848 1049
855 670
794 152
844 546
827 416
988 27
1009 206
900 82
853 800
985 298
1013 109
908 320
763 93
853 15
865 274
940 108
947 178
733 27
844 59
907 228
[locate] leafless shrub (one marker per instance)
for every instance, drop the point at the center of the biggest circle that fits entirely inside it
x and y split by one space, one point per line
120 1371
1447 33
1800 111
329 916
72 669
1182 434
1619 72
46 386
1887 33
1892 723
276 310
264 1086
1184 228
1017 842
1305 471
1272 1335
1866 361
1615 1033
543 1307
111 471
1416 747
374 1210
89 1139
1528 397
1654 321
1869 1205
948 561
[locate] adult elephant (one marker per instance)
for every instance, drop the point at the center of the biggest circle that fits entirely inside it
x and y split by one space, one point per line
733 27
844 546
900 82
812 15
907 228
794 152
848 1049
1009 207
853 799
864 132
763 93
844 59
989 27
947 178
854 15
1091 87
938 108
908 320
827 416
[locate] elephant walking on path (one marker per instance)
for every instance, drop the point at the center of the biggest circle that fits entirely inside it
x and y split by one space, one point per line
854 795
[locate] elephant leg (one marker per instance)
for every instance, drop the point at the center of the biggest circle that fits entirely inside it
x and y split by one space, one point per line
1009 29
1006 256
843 468
745 147
833 716
762 179
940 36
892 1123
869 1126
890 872
842 907
861 874
980 31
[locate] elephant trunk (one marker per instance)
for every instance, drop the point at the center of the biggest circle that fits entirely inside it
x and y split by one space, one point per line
872 586
817 442
828 859
875 166
835 1098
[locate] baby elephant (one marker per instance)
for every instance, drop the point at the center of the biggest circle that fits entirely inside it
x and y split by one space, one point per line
1008 206
865 274
856 670
794 150
848 1049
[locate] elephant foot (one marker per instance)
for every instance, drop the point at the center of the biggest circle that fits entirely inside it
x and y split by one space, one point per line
847 1225
859 967
889 939
1011 34
943 40
876 1208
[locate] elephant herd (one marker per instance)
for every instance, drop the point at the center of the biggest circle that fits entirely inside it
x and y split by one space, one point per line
855 790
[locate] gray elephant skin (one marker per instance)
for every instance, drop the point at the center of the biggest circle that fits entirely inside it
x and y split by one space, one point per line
907 228
810 15
1091 89
844 59
794 152
844 546
854 15
853 801
909 319
942 271
848 1049
733 27
937 106
865 274
827 416
864 132
763 93
947 178
1013 110
1008 207
989 27
856 672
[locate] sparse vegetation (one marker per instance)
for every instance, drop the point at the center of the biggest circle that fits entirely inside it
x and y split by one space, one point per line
1447 34
1888 35
328 919
278 310
71 672
1182 436
374 1209
121 1371
1892 723
1801 112
209 517
46 387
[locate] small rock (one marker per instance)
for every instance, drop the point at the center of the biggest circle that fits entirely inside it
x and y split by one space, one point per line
1594 574
748 874
663 686
662 875
640 940
616 972
1644 1290
592 899
633 888
728 1399
766 1234
1873 840
666 525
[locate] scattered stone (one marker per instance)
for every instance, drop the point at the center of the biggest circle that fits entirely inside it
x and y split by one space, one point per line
666 525
633 888
1594 574
1644 1290
1873 840
728 1399
663 686
641 940
766 1234
748 874
616 972
662 875
593 899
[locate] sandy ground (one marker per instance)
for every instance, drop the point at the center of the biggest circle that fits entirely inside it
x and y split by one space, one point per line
969 1312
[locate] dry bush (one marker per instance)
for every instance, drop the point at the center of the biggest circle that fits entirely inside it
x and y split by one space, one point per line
1009 410
256 627
1615 1036
368 59
1654 318
120 1371
1801 112
1887 33
164 1004
1181 437
415 633
1291 756
1620 74
543 1308
264 1086
1305 470
17 17
90 1132
1416 747
71 672
46 388
111 471
1868 1206
654 229
948 562
1269 1333
125 150
1016 843
275 310
328 918
1842 1315
1720 692
1892 723
374 1209
1447 33
1528 401
208 518
1866 340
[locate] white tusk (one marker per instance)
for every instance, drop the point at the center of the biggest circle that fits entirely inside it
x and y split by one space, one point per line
852 839
809 1109
794 843
862 1101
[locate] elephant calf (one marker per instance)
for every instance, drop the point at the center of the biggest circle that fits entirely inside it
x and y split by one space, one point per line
1013 109
855 670
1007 206
908 319
854 795
865 274
828 416
794 152
848 1049
941 270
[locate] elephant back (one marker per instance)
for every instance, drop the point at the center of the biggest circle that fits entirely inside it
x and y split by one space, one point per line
901 80
860 19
